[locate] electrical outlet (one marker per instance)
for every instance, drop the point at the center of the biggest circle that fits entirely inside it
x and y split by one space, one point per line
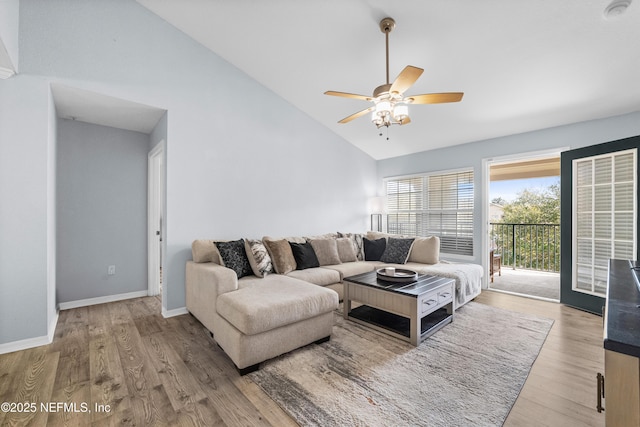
111 270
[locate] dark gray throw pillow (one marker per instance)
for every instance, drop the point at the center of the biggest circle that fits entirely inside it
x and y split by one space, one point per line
373 249
235 257
305 255
397 251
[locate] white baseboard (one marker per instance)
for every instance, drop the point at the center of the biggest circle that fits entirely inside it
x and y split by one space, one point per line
10 347
101 300
52 326
174 312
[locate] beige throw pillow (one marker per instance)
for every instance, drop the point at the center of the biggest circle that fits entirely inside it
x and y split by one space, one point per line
326 250
205 251
425 250
346 251
281 255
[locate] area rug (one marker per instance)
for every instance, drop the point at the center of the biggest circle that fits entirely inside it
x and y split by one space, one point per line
467 374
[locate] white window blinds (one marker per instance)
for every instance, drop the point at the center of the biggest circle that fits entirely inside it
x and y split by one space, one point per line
433 205
604 217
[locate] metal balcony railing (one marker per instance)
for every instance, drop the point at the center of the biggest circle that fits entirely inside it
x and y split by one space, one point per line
527 246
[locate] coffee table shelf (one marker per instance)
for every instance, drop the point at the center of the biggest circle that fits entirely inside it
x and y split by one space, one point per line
409 311
399 324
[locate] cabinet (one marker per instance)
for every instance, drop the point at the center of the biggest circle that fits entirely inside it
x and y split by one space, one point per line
621 390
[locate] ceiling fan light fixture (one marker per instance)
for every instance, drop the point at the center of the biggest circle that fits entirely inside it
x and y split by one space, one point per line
383 107
400 112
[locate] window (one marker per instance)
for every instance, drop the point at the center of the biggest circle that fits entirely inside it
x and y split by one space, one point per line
433 205
605 209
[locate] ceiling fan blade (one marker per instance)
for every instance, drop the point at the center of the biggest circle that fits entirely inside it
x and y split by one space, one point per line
406 79
435 98
405 121
356 115
348 95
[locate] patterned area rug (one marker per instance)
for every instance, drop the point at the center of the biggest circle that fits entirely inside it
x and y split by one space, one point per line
467 374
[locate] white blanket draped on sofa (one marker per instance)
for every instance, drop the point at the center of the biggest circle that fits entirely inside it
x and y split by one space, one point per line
468 278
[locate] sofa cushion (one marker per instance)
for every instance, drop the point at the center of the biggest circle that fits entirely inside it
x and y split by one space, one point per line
346 250
258 257
373 235
347 269
373 249
326 250
397 250
318 276
281 255
415 266
233 256
304 255
425 250
276 303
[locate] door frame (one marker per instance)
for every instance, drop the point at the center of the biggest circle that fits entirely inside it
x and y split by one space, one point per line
155 216
580 300
486 166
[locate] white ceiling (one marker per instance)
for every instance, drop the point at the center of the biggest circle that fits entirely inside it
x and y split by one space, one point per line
91 107
523 65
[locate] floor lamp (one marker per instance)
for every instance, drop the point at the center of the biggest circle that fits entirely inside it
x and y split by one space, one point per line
377 205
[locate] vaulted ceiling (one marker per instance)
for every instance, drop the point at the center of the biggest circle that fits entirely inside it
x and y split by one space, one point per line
522 66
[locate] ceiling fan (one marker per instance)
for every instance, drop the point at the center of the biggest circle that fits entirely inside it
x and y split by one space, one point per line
391 107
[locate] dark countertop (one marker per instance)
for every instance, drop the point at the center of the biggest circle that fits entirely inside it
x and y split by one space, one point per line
622 315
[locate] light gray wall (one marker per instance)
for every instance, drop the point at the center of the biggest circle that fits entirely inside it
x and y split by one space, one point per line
234 168
159 132
101 211
24 116
9 18
471 155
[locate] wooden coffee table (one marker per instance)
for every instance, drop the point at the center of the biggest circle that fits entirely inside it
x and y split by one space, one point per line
410 311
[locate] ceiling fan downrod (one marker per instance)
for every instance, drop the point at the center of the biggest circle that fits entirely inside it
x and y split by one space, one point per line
386 26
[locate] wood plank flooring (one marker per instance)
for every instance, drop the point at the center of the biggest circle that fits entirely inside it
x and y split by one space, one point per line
148 370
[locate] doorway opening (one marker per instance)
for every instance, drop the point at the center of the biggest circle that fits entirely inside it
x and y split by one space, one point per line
524 226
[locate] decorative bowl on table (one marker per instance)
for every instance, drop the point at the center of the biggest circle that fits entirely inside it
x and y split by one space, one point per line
400 275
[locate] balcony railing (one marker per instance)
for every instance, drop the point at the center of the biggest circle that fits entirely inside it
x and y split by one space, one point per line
527 246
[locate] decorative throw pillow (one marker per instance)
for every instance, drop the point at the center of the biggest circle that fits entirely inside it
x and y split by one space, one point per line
358 243
304 255
281 255
397 251
425 250
373 249
205 251
326 250
259 258
346 251
234 257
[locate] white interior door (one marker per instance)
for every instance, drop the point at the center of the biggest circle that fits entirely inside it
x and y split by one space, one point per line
155 218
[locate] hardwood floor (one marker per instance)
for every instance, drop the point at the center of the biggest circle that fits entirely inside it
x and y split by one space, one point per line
561 388
122 363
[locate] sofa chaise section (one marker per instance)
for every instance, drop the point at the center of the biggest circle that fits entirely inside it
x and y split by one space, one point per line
255 319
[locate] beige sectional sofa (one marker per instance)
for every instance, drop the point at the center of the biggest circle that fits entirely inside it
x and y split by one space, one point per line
276 306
